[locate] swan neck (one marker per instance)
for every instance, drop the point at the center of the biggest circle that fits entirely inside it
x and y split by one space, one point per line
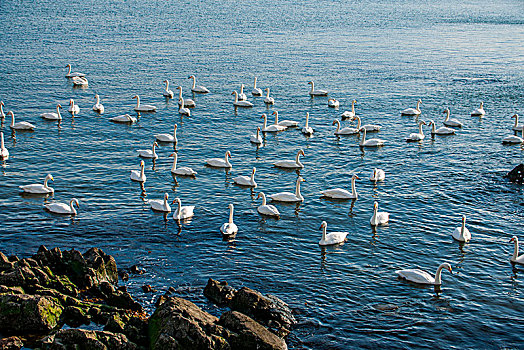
181 101
418 106
255 85
137 101
338 126
516 250
307 120
363 138
236 97
180 94
447 115
297 159
276 118
263 198
194 82
438 274
12 119
420 128
312 86
97 99
353 107
359 122
231 214
265 122
175 159
353 189
297 190
167 85
433 130
2 140
179 214
516 119
267 92
2 111
69 70
324 232
142 171
252 176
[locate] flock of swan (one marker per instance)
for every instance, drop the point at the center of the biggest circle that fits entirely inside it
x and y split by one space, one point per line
229 229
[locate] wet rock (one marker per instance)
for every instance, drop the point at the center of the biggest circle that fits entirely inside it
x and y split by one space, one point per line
249 334
148 289
5 264
170 290
25 314
11 343
219 292
516 175
80 339
179 324
136 270
75 316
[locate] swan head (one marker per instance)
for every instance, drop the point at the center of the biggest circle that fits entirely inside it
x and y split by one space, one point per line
230 206
260 195
228 154
354 101
514 239
361 129
136 96
2 103
422 123
258 128
481 105
447 267
166 196
335 122
301 152
301 179
275 113
310 82
59 106
446 110
419 101
71 102
155 144
177 200
375 205
142 164
355 176
515 116
75 201
431 122
234 93
264 115
191 77
49 177
463 219
178 87
322 225
254 170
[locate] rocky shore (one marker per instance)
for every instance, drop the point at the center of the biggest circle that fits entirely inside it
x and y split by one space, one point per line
46 299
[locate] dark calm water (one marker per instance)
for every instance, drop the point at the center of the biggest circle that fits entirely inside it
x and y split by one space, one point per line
386 54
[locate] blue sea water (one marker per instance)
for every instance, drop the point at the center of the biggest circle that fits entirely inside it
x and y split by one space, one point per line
385 54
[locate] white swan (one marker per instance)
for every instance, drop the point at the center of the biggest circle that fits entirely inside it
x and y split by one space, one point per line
291 164
288 196
423 277
168 137
478 112
160 204
52 115
124 118
350 114
80 81
219 162
229 228
167 92
182 109
378 218
368 127
182 212
246 180
412 111
256 139
187 101
344 131
462 233
39 188
98 107
256 91
267 209
440 131
451 122
377 175
73 108
269 100
148 153
333 103
332 237
143 108
63 208
271 128
184 171
198 88
139 176
2 114
517 126
370 142
286 123
307 130
513 139
417 136
4 153
74 74
339 193
19 125
515 258
240 103
314 92
241 95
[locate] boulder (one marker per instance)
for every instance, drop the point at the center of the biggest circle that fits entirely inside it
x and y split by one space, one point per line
219 293
11 343
516 175
26 314
80 339
249 334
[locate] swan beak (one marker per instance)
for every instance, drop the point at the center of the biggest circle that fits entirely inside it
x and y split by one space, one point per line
356 177
450 271
512 240
172 155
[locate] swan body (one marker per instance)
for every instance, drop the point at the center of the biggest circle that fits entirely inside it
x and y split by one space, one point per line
272 128
242 96
63 208
440 131
314 92
256 91
98 107
339 193
143 108
515 258
479 112
183 171
286 123
378 218
124 118
246 180
451 122
229 228
370 142
350 114
517 126
307 130
19 125
73 108
182 109
220 162
288 196
168 137
333 103
240 103
368 127
39 188
256 139
412 111
269 100
377 175
462 233
80 81
198 88
182 212
53 116
332 237
167 92
4 153
139 176
291 164
187 101
344 131
73 74
148 153
422 277
512 140
417 136
161 204
265 209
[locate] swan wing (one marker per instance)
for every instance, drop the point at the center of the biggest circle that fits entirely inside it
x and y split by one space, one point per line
59 208
229 229
284 197
286 164
338 193
270 210
335 238
36 188
416 276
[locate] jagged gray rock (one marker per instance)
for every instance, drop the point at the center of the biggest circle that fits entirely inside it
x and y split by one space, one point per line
26 314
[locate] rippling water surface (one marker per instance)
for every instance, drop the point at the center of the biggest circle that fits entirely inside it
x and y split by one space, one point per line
386 54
